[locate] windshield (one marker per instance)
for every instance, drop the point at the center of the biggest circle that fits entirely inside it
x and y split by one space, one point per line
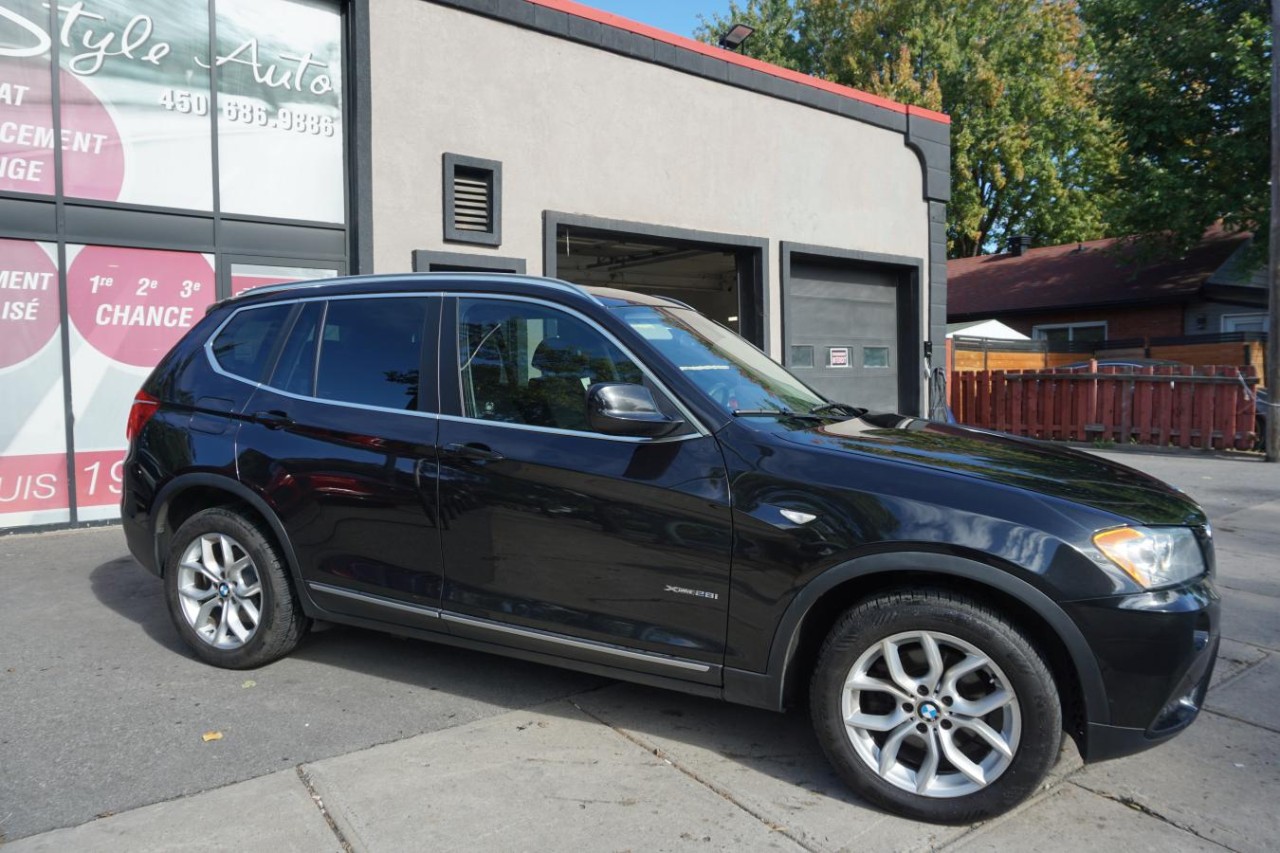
734 373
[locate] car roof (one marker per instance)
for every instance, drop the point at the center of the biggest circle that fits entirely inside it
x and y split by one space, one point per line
449 281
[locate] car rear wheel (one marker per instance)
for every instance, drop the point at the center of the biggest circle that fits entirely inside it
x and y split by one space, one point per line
933 706
228 592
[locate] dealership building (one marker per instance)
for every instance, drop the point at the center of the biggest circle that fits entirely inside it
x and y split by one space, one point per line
158 155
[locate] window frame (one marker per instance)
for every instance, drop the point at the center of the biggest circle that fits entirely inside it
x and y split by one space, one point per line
453 404
1225 318
428 390
1037 330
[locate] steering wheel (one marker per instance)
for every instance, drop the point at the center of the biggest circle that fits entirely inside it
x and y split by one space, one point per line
721 392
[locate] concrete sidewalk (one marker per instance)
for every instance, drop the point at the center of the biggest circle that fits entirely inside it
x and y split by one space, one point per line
608 766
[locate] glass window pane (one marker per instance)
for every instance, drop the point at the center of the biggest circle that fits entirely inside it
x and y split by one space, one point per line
279 77
296 367
1094 332
370 351
875 356
528 364
26 144
135 123
729 369
245 343
33 447
127 308
802 356
248 276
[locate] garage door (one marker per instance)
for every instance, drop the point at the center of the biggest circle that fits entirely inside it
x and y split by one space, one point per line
842 333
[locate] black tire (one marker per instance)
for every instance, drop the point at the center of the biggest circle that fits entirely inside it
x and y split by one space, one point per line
1033 722
280 623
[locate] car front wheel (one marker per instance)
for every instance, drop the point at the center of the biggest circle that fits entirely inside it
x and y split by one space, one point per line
934 706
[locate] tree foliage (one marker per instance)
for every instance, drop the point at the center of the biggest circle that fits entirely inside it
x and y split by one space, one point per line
1031 150
1188 83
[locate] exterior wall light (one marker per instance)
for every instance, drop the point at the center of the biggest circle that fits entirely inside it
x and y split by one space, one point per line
737 34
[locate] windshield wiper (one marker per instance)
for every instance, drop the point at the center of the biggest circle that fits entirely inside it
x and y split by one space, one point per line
776 413
837 408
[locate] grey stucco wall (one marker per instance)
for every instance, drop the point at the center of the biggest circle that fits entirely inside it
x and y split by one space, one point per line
582 130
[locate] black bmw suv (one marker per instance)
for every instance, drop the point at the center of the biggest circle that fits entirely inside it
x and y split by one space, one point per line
614 483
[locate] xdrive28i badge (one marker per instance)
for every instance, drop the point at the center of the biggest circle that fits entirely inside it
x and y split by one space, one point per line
698 593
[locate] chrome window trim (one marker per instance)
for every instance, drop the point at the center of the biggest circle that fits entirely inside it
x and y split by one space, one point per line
629 439
584 645
217 368
699 429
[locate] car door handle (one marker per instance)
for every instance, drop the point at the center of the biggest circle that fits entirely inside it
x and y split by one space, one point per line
474 452
273 419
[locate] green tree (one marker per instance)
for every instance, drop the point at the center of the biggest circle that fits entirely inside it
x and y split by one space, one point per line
1031 150
1188 83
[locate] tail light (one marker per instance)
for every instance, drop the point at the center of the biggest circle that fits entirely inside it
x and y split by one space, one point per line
144 406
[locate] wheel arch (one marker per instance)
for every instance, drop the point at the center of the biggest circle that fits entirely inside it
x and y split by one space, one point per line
187 494
814 609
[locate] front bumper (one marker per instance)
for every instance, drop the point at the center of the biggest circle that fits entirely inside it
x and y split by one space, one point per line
1156 652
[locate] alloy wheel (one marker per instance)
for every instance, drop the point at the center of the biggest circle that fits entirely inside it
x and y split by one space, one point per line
931 714
220 591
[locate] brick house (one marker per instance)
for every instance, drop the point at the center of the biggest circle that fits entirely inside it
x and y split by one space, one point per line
1095 292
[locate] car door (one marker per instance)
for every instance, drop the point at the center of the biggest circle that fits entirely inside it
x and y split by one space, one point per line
341 441
561 539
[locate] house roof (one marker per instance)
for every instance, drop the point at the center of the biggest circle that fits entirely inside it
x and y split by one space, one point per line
1079 275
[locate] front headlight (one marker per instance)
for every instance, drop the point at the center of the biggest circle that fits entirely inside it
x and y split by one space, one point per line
1154 557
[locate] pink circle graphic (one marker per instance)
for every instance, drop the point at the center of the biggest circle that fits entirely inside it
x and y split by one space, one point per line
132 305
92 151
28 300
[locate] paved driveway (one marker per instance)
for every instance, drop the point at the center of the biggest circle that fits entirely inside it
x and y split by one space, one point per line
368 742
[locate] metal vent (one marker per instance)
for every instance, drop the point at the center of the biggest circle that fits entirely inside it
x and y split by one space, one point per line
473 200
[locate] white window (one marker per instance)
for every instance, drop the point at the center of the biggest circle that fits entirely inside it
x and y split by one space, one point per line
1244 322
1065 332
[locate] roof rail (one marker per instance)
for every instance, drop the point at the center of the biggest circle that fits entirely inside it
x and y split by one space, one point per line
539 281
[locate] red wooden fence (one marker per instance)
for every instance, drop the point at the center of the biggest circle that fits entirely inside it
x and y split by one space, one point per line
1205 407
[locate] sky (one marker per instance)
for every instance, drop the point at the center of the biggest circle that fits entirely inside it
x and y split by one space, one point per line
678 16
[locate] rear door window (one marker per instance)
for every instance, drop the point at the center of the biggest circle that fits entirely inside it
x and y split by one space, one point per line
371 352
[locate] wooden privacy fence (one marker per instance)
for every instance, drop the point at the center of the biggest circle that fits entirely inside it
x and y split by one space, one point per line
1205 407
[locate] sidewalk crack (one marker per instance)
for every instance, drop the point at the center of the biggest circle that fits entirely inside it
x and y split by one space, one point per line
721 792
1145 809
324 812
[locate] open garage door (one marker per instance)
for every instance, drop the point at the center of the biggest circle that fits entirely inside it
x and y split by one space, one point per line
719 279
850 331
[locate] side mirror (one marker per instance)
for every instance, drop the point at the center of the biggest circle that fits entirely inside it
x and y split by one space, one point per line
619 408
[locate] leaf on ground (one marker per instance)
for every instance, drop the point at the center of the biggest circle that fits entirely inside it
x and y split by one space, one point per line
208 736
249 683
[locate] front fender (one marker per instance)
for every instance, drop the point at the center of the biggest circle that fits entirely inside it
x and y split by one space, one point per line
767 689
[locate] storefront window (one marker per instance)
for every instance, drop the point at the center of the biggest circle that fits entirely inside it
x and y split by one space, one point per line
248 276
128 307
135 122
33 450
26 114
279 70
170 117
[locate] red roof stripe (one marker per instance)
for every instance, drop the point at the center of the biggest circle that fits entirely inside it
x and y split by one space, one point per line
611 20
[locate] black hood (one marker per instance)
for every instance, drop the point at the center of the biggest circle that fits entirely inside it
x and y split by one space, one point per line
1057 472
